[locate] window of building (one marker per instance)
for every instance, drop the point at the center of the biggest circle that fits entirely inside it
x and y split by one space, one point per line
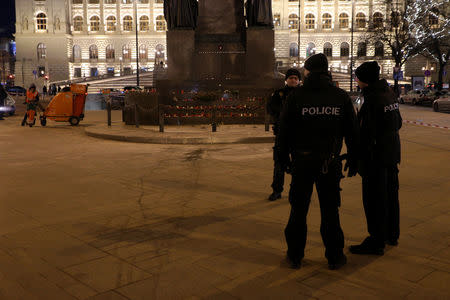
143 1
293 50
159 1
127 1
360 20
310 50
95 23
41 21
76 52
310 21
362 50
41 71
77 72
343 21
379 49
111 23
93 52
144 23
276 20
143 52
377 20
328 49
110 1
160 23
159 54
110 52
126 52
293 21
94 1
41 51
78 23
77 1
94 72
345 50
326 21
127 23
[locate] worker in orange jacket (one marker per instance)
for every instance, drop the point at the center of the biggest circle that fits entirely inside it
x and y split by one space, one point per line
32 101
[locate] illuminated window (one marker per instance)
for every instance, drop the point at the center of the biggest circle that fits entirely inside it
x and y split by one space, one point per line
326 21
310 21
78 23
293 21
95 23
126 52
276 20
160 23
343 21
345 49
93 52
144 23
41 21
41 51
127 23
111 23
360 20
143 52
110 52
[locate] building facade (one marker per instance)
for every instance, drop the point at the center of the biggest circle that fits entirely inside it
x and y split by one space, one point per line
65 39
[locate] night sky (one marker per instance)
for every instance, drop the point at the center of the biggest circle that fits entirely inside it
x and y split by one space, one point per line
7 17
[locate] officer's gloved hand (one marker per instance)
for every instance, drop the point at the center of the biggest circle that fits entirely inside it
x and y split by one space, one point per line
352 167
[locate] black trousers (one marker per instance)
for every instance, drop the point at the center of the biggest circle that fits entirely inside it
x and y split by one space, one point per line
278 173
381 205
328 190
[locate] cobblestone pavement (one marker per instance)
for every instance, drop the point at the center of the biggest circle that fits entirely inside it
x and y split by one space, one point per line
85 218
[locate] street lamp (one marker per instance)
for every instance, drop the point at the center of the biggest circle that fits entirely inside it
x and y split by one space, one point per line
137 43
351 47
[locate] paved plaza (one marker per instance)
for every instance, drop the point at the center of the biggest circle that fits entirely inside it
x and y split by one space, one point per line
98 219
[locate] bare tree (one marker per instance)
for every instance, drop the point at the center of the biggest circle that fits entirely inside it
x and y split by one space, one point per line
429 21
393 31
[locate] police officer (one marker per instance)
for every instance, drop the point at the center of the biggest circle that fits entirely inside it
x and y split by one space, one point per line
380 121
274 107
314 122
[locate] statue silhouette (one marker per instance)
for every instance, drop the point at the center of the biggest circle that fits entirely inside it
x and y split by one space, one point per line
181 13
259 13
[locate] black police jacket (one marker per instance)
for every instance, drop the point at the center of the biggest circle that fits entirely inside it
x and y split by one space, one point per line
380 121
275 103
315 119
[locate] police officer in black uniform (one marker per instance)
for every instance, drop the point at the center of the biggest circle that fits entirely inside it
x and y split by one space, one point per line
314 122
274 107
380 122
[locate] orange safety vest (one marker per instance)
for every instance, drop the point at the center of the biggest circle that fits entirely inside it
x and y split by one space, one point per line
31 96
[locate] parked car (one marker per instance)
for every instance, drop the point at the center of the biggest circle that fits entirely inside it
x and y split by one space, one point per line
17 90
410 97
7 103
442 103
418 97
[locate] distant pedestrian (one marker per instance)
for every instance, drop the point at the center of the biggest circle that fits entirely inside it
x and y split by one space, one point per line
274 107
314 122
59 88
380 122
44 90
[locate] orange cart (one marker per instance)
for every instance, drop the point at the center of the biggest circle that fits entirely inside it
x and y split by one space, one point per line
67 106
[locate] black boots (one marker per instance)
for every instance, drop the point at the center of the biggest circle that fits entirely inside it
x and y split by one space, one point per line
337 262
274 196
368 246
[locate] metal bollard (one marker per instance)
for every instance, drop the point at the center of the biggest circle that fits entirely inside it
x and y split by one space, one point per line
161 118
213 123
108 109
136 115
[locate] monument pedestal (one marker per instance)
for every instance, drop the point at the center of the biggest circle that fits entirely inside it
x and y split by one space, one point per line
180 53
260 56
